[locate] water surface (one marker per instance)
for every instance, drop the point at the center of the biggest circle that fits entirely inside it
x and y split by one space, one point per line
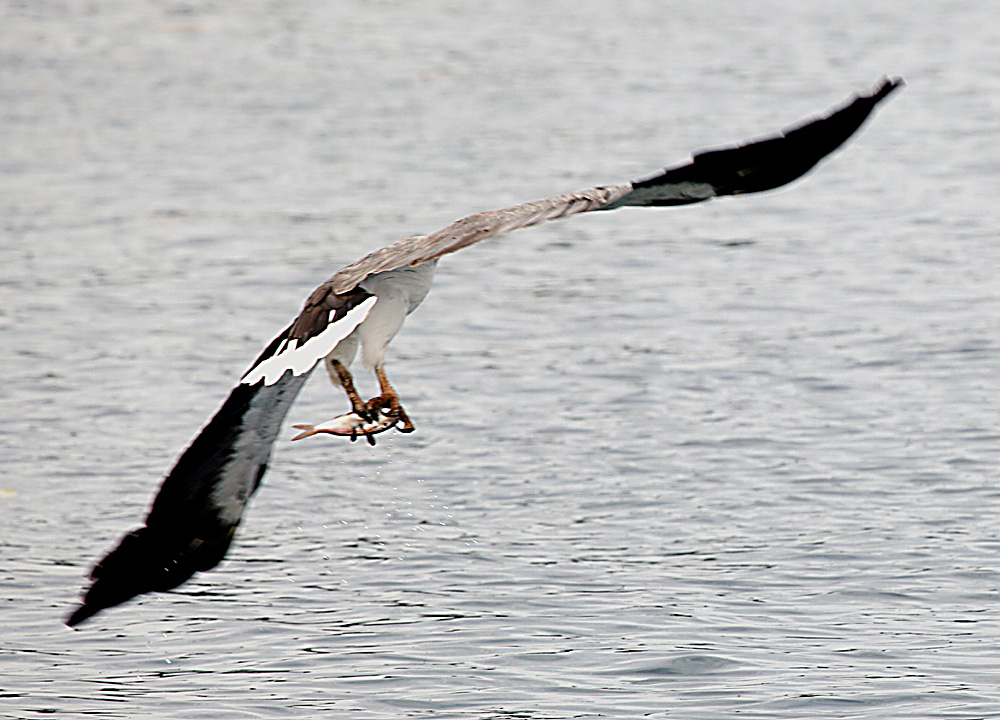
731 460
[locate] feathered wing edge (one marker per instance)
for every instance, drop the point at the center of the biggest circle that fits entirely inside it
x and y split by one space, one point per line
751 167
758 165
201 502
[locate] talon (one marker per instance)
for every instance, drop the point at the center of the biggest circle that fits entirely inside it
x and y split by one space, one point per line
387 405
371 438
390 399
365 413
376 406
403 424
407 425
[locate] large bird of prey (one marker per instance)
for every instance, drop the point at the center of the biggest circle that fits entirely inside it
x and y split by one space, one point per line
195 514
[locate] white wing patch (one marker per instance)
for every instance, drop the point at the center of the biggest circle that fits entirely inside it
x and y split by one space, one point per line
302 359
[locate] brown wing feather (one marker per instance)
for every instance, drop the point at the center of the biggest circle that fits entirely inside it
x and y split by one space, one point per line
472 229
323 307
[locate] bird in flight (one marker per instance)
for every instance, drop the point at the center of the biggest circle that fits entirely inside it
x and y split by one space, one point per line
195 514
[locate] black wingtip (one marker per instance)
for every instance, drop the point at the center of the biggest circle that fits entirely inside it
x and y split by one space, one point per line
189 529
885 86
763 164
119 577
84 612
151 560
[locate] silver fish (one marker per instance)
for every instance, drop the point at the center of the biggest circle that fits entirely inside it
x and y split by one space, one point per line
350 425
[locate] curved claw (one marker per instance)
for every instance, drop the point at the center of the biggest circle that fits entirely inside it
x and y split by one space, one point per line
364 412
388 405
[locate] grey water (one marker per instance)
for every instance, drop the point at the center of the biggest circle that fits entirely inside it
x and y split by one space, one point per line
732 460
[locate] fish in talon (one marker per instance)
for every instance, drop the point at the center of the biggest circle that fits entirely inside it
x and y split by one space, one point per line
349 425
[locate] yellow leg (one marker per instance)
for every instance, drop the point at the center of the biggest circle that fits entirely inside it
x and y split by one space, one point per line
347 380
389 399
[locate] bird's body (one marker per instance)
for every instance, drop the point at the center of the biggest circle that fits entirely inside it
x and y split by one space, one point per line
195 514
399 292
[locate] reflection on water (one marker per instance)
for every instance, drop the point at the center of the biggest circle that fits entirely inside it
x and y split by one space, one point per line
732 459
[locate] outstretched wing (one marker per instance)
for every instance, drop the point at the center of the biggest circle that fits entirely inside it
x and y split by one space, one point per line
752 167
200 504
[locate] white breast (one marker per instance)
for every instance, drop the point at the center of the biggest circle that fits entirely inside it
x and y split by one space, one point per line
399 292
407 283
